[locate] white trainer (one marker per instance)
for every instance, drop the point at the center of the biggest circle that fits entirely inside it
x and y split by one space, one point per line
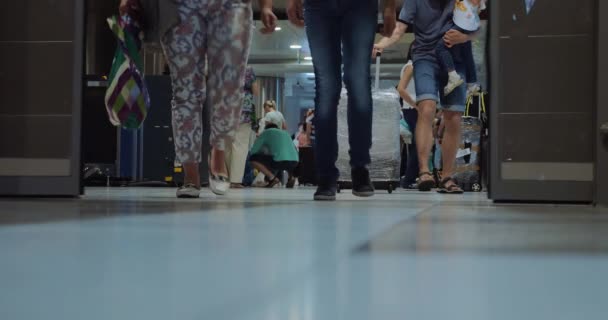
188 191
219 185
453 83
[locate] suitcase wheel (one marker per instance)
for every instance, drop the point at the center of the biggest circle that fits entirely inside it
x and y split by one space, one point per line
390 188
476 187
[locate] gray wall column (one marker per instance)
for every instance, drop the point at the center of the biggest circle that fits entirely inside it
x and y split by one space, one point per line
41 68
543 100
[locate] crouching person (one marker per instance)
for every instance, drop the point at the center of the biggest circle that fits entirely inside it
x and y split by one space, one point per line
274 152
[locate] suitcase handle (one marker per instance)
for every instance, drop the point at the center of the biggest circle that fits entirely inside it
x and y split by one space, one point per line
377 84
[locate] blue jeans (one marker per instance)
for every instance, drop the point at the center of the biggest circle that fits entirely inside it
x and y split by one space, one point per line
430 81
341 32
465 50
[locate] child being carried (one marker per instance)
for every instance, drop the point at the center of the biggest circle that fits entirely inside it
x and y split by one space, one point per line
466 20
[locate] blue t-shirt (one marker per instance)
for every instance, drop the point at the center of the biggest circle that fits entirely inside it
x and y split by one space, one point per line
430 23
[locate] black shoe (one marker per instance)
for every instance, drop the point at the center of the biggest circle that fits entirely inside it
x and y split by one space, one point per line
362 185
326 191
291 182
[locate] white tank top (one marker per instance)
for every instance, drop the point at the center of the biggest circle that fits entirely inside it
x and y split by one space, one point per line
411 87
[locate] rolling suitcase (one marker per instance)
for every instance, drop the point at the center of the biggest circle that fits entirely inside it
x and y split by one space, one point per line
468 158
386 146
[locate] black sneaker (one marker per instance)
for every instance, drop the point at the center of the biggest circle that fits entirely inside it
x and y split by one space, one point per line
362 185
326 191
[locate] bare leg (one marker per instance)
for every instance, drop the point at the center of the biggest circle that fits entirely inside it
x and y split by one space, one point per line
424 135
218 162
263 169
451 141
192 174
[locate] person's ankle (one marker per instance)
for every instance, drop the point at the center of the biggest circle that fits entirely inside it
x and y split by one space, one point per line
192 174
217 164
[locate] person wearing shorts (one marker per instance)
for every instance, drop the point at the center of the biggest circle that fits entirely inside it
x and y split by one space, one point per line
434 22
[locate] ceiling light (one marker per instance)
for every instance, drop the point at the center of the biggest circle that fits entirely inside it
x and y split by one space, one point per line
308 58
295 46
277 29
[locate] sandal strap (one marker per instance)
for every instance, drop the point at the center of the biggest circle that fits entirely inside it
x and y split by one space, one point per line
274 181
425 174
452 186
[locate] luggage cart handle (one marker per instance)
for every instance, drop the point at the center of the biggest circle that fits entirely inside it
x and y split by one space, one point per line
377 84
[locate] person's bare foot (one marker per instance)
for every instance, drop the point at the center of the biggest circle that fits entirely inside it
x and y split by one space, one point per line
426 181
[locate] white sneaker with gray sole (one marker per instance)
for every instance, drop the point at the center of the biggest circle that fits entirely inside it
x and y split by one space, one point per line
188 191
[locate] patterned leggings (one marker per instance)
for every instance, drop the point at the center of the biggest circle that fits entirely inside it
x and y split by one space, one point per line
216 33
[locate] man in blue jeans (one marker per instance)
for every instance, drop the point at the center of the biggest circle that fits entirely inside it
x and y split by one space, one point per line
433 21
341 32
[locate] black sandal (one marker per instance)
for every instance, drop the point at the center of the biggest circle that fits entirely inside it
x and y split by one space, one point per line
273 182
426 185
451 189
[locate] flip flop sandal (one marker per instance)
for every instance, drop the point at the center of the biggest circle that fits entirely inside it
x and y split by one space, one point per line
451 189
426 185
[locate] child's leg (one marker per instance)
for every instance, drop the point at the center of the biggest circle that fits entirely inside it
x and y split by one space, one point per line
446 61
469 60
444 56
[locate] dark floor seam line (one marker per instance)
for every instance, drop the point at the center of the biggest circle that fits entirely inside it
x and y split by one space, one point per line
365 247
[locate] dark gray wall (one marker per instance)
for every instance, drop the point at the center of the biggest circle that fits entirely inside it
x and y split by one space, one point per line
602 105
543 99
40 72
100 42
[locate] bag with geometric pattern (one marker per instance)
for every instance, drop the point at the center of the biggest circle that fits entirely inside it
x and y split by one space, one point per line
127 99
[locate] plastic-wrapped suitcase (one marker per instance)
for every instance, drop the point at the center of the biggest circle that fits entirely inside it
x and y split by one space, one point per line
468 164
386 146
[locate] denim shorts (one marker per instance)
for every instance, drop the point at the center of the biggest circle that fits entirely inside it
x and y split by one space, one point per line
431 79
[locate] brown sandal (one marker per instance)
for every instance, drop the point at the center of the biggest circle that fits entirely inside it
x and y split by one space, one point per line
451 189
426 185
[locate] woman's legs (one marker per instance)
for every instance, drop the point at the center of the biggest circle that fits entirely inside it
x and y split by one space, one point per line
229 39
185 51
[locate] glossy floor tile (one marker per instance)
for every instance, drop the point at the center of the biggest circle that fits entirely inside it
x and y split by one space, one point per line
274 254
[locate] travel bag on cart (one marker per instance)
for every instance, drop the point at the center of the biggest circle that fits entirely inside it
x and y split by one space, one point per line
468 159
386 147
